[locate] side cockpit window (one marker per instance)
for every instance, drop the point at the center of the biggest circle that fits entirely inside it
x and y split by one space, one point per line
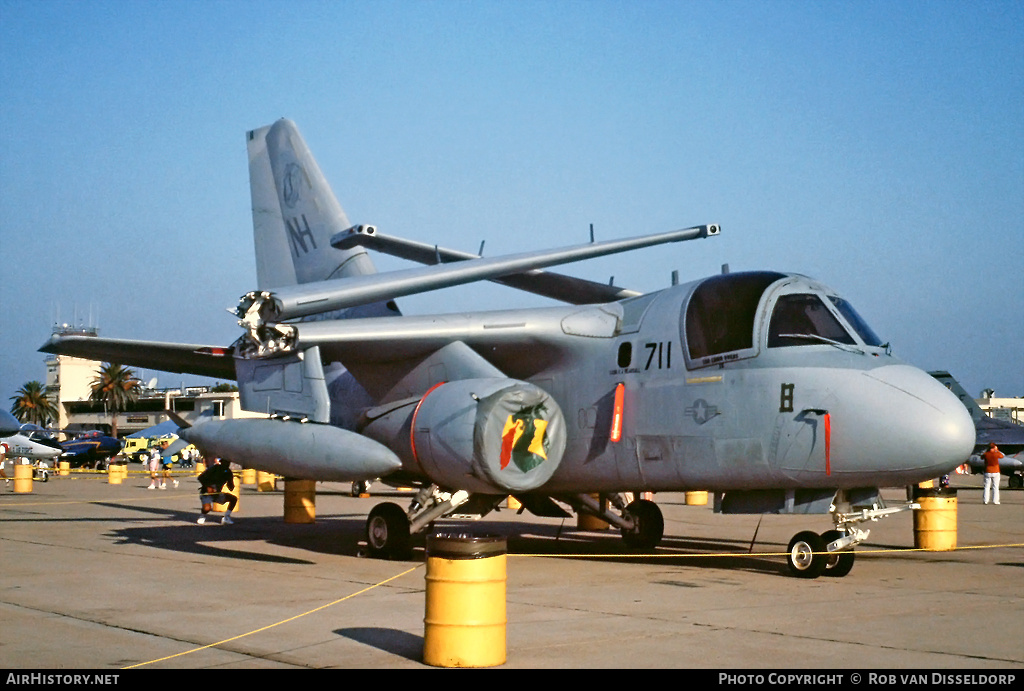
720 316
803 319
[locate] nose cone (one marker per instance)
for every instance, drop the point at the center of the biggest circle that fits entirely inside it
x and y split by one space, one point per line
929 431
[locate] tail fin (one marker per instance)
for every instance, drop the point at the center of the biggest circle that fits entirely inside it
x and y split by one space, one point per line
295 213
953 385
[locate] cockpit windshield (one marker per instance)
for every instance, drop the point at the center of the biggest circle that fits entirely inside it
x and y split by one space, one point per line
856 321
803 319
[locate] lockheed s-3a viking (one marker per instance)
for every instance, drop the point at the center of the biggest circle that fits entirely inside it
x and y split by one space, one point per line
766 388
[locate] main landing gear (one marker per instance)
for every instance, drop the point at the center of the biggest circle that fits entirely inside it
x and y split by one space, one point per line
389 527
640 521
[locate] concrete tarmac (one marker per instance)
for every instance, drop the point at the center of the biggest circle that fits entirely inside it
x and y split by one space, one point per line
110 577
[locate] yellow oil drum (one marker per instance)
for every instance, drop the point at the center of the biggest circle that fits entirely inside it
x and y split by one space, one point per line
584 521
200 468
64 468
236 493
299 501
248 476
935 521
23 478
265 482
116 473
697 498
465 619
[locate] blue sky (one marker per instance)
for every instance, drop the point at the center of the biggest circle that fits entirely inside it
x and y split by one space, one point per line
877 146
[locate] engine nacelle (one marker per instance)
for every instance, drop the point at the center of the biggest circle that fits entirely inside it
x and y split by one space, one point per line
482 435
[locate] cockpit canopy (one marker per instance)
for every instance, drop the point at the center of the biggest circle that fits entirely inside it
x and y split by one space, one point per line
727 317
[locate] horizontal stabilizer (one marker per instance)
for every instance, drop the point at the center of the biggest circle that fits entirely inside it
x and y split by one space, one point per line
575 291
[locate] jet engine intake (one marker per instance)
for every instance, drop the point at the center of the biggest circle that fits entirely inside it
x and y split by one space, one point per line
492 436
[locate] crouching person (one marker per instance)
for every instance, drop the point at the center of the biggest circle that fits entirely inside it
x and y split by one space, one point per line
211 485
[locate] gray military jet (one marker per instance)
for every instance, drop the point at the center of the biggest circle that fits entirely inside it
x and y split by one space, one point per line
1008 436
766 388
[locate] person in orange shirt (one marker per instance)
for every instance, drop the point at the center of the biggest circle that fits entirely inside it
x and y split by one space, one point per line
991 457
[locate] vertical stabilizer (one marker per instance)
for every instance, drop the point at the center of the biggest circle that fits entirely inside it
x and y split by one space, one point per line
274 268
953 385
295 213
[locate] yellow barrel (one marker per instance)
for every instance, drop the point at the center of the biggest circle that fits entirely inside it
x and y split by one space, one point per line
299 501
248 476
200 468
935 521
584 521
23 478
236 493
696 498
265 482
464 624
116 473
64 469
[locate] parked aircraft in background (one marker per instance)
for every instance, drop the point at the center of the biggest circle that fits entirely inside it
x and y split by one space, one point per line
90 449
1009 437
8 424
31 442
766 388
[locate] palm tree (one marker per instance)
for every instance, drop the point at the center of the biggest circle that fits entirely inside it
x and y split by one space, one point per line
32 405
115 387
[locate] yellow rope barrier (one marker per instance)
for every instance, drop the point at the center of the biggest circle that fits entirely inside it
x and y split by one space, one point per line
676 555
270 626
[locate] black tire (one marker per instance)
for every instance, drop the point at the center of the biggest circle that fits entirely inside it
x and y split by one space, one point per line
837 564
387 532
649 525
806 556
1016 481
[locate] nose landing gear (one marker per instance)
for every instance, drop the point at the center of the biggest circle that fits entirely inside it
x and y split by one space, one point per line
810 555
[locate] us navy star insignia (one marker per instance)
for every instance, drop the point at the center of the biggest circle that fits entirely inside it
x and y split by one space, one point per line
701 412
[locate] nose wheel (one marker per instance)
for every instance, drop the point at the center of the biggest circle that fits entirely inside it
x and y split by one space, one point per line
838 563
806 555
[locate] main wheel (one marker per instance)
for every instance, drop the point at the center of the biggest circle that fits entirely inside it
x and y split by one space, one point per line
387 532
649 525
1016 481
837 564
806 555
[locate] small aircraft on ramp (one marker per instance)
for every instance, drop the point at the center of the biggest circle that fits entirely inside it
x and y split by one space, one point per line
766 388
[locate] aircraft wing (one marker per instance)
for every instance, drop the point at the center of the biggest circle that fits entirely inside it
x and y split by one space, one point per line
576 291
207 361
291 302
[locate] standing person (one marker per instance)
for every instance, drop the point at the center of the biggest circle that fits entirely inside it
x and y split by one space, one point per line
991 457
165 462
211 484
154 464
3 461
